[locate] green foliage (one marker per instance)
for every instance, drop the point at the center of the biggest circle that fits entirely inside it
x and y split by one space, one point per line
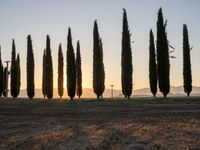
71 67
44 91
163 56
98 66
49 70
1 75
14 72
126 59
60 71
78 71
30 69
152 65
187 75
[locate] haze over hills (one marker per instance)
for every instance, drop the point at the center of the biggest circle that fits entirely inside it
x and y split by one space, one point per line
88 93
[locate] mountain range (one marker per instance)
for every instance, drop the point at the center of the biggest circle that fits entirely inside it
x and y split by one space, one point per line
88 93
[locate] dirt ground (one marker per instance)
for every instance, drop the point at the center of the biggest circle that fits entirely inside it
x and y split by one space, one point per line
92 125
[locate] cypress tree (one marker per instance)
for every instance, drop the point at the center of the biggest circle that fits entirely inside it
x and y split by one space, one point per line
1 75
49 70
78 71
163 56
60 71
13 80
126 59
18 74
30 69
187 75
152 65
4 81
98 70
103 71
44 92
71 67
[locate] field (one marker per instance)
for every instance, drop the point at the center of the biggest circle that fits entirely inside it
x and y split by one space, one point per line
139 123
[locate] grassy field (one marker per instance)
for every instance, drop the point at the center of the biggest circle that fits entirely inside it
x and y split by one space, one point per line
139 123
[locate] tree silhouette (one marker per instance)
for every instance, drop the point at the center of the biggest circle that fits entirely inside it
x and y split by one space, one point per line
98 67
103 71
152 65
60 71
187 75
30 69
126 59
49 70
163 55
78 71
44 91
18 74
71 67
1 75
13 80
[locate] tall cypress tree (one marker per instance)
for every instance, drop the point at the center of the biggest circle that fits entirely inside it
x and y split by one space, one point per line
30 69
44 91
78 71
163 56
98 67
187 75
71 67
49 69
13 80
103 71
152 65
18 74
126 59
1 75
60 71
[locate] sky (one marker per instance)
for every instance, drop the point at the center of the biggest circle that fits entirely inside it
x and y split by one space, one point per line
18 18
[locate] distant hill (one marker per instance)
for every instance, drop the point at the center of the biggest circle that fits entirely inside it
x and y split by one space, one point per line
87 92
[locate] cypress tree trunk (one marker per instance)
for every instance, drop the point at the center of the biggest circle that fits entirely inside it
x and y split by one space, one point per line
49 70
187 75
98 70
78 71
44 91
18 74
71 67
60 71
152 65
13 80
163 56
126 59
1 75
30 69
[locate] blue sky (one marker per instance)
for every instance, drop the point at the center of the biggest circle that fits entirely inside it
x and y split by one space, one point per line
41 17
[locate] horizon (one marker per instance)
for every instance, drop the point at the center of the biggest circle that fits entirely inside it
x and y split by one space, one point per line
21 18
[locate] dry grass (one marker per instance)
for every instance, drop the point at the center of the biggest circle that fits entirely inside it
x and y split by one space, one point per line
90 125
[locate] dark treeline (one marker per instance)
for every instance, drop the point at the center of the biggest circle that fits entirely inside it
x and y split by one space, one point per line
159 65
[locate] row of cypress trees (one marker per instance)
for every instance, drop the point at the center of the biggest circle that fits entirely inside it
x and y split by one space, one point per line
74 73
159 64
159 71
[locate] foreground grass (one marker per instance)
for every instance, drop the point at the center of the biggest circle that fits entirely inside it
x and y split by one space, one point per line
108 124
107 101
